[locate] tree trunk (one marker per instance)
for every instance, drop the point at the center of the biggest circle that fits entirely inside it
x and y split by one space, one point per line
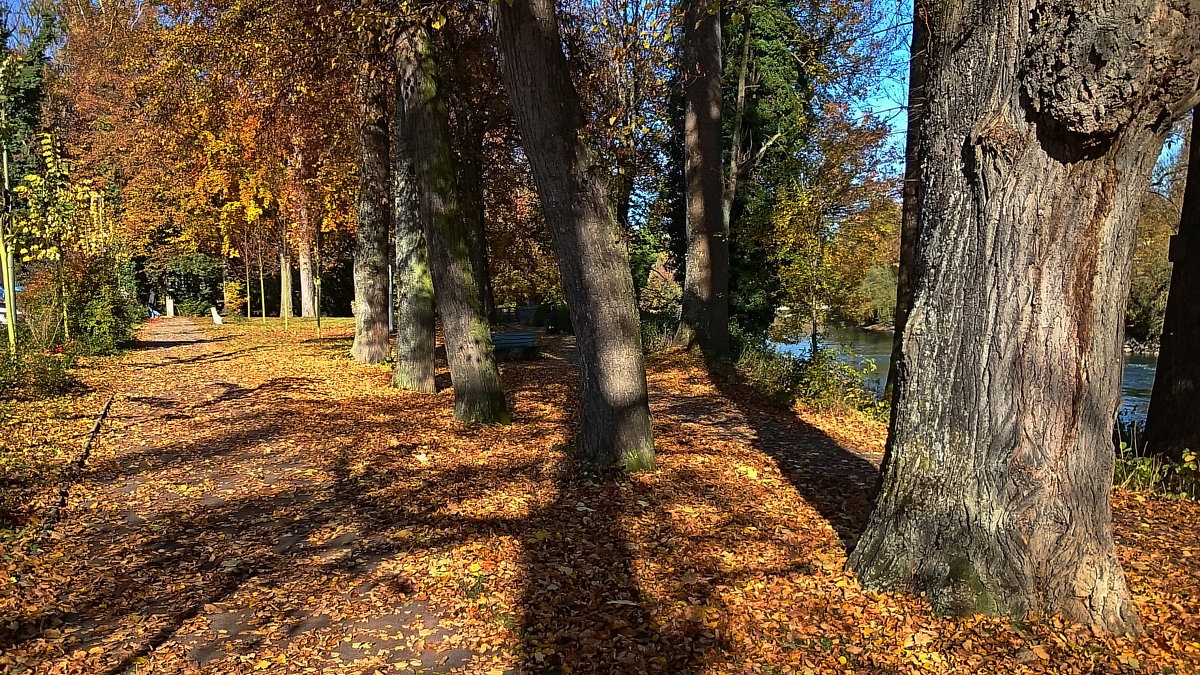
910 196
470 182
704 321
308 290
1036 146
371 300
477 393
415 333
1173 422
262 288
588 242
285 281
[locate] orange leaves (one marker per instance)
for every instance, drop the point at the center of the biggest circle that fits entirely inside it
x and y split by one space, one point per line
263 503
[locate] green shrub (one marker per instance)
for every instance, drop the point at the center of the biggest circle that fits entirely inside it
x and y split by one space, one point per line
106 320
10 372
826 381
48 372
193 307
1137 471
658 332
776 375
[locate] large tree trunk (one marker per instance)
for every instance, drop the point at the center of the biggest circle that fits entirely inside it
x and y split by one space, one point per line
1040 130
705 318
1173 422
415 333
470 181
477 393
588 242
371 300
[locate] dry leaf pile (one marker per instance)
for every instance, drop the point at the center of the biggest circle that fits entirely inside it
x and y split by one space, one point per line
260 503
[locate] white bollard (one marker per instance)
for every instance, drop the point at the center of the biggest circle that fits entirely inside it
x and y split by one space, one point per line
216 317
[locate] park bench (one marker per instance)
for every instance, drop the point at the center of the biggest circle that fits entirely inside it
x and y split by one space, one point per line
515 346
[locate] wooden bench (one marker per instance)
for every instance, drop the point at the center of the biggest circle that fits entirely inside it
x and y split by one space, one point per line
514 346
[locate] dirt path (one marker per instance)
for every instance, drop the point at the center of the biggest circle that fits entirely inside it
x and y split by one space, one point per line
203 519
258 502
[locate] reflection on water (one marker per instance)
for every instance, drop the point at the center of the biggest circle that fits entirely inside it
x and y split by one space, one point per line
863 346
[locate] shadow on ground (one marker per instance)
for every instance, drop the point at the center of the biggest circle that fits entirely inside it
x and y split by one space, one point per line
339 532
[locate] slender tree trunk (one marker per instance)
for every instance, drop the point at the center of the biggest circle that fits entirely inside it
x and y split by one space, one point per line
477 393
704 321
249 304
1173 421
1041 127
371 300
262 288
10 296
910 195
588 242
7 250
415 334
285 282
308 290
470 181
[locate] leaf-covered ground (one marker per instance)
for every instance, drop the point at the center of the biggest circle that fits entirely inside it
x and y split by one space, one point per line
259 503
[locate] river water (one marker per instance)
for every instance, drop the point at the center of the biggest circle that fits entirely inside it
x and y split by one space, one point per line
861 347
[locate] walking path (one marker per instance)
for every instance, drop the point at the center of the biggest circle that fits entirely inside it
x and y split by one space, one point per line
260 503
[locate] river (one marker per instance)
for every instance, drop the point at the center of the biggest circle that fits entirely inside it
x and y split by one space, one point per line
862 346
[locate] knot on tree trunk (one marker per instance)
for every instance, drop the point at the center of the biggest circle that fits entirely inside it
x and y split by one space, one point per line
1083 66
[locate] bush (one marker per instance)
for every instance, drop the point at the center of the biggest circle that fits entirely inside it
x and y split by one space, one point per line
658 331
44 372
10 372
235 298
826 381
776 375
1139 472
193 307
47 373
106 320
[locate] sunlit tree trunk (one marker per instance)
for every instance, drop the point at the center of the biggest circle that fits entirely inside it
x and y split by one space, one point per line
371 300
592 256
1173 421
7 269
285 281
415 334
477 393
10 295
1040 130
308 289
705 318
262 288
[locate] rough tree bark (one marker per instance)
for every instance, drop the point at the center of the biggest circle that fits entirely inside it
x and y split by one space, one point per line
477 393
415 333
704 321
1172 424
470 181
371 300
1040 128
588 242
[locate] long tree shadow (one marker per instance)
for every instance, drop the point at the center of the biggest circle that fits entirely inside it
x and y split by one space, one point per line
837 481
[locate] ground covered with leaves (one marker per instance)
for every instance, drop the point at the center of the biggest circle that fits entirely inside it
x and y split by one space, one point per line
257 502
